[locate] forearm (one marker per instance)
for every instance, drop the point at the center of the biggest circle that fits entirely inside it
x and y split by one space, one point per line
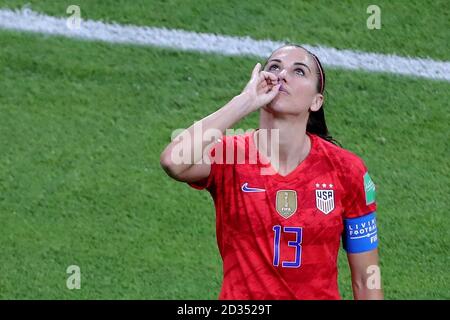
198 137
362 291
366 275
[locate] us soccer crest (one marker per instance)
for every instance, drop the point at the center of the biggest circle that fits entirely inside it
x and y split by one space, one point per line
325 198
286 202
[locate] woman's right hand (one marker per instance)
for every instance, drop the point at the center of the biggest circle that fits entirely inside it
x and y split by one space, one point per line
261 89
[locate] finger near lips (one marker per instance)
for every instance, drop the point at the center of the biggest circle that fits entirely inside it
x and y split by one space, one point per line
271 83
266 88
271 80
269 75
267 81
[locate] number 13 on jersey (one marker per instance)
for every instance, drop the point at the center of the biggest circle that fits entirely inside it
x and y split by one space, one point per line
296 244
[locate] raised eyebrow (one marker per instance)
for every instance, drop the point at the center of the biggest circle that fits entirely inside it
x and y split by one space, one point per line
295 63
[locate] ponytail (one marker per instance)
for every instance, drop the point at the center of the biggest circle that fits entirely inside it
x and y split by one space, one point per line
318 126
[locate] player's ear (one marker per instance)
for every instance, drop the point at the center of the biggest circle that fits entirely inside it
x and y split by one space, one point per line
316 103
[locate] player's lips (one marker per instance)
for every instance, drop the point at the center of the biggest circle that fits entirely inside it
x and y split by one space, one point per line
283 89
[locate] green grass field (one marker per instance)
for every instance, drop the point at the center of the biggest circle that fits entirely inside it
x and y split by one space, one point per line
83 123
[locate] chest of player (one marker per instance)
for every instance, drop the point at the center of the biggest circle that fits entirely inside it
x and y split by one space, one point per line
311 201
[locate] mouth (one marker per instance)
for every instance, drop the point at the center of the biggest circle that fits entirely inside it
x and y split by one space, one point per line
283 90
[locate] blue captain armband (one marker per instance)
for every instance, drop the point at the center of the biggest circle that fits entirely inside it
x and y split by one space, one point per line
360 234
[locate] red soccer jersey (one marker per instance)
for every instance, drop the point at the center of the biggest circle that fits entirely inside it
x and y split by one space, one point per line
279 236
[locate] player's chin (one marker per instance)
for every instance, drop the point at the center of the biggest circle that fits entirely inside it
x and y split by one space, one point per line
280 105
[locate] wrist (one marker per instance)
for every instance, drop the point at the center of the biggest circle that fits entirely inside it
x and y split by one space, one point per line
243 102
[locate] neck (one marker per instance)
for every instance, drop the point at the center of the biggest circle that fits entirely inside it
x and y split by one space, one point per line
293 142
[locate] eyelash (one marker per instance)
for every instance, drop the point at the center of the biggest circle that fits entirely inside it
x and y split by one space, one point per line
298 69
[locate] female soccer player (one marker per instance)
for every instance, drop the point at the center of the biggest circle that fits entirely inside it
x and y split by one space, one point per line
280 218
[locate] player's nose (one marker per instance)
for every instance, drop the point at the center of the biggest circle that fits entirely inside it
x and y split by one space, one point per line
282 75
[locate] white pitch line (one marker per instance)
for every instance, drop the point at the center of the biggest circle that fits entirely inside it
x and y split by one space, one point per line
27 20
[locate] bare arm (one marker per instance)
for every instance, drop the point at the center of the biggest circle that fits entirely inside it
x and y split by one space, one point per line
260 90
366 277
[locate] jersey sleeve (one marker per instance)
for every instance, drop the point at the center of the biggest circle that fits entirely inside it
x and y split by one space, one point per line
360 228
359 198
215 159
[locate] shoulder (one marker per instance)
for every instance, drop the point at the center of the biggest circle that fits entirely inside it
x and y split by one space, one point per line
345 161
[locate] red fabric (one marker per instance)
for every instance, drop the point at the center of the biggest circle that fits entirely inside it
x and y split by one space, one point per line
245 221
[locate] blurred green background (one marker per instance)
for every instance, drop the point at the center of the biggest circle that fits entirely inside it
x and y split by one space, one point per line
83 123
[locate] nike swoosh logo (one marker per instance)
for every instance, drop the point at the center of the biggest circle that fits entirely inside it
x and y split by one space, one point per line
245 188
